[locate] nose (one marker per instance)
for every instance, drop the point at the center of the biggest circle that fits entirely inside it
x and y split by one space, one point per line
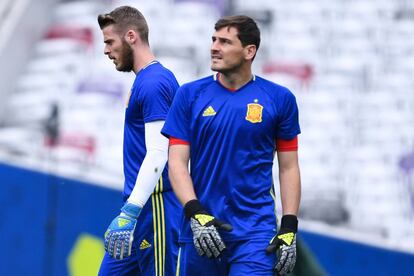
107 50
214 46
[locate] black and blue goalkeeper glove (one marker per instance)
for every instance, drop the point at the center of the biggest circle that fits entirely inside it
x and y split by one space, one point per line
120 233
206 238
285 244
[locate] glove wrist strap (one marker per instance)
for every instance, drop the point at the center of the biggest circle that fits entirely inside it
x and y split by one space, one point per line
192 207
131 210
289 222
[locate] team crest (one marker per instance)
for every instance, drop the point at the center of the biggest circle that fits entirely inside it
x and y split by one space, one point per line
254 113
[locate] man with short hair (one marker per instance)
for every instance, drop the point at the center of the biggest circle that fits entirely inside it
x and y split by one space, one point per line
230 125
142 240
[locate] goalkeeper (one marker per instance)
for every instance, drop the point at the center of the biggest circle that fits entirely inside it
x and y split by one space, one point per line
143 238
229 125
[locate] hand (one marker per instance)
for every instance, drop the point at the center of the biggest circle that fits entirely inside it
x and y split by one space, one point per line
285 244
120 233
206 238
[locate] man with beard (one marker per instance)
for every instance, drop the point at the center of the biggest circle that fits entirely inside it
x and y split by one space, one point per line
230 125
142 240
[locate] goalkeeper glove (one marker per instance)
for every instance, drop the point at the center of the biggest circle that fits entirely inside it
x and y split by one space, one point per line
285 244
206 238
120 233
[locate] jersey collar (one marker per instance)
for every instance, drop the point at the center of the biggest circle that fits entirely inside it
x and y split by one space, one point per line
216 77
146 66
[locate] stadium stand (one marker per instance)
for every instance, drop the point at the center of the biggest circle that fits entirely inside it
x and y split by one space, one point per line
350 64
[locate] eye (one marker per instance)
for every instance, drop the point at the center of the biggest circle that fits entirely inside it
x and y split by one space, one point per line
109 42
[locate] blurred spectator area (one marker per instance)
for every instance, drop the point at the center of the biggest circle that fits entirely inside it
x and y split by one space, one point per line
349 63
22 23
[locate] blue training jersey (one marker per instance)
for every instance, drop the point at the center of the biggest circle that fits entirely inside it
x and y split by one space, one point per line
232 145
150 99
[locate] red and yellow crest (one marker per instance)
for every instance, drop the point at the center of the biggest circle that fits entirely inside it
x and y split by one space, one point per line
254 113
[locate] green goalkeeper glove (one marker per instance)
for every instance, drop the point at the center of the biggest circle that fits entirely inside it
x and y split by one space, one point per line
206 238
285 244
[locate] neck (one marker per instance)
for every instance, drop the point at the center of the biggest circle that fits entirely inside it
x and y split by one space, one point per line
142 57
235 80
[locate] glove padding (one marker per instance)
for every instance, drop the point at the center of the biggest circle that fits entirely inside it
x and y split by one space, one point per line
285 244
120 233
206 238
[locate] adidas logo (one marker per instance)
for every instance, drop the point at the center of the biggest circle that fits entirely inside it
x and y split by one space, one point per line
203 219
122 222
287 238
209 111
144 244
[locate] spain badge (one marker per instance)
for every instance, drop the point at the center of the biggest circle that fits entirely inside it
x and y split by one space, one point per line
254 113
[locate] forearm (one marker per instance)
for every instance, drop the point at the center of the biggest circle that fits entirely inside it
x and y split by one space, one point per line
290 190
179 174
289 179
152 165
285 240
148 176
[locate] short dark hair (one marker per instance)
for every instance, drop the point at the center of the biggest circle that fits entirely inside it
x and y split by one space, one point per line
124 18
247 29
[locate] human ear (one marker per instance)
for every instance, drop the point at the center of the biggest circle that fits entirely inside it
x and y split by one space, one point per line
130 37
250 51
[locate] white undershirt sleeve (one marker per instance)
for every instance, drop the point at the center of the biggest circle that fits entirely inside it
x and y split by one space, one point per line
153 164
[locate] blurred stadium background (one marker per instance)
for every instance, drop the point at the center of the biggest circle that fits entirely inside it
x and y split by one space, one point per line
350 64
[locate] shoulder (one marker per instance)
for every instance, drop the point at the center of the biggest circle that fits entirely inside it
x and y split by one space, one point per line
194 88
190 91
152 81
157 74
272 87
277 92
199 84
159 70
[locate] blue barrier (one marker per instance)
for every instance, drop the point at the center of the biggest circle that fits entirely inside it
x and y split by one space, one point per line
49 226
24 221
43 215
343 257
81 209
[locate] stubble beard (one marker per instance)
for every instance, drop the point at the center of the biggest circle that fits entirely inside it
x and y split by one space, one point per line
126 58
227 69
